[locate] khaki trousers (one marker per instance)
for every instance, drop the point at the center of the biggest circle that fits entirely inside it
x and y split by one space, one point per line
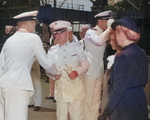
93 88
74 109
14 104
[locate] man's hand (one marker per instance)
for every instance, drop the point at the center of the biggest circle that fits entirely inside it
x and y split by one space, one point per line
73 75
57 76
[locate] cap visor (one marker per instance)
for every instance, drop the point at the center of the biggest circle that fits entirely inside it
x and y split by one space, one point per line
59 31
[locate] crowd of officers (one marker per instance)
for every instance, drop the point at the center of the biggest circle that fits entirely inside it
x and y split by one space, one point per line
76 70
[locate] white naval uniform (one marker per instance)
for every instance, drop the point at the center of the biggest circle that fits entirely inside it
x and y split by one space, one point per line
36 98
69 94
94 46
15 80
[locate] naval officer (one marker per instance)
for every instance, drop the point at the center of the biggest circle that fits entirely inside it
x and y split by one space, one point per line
17 57
70 58
95 43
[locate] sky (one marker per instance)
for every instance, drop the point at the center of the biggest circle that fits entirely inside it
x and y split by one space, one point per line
74 3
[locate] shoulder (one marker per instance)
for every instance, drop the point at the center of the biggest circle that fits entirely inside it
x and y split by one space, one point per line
121 56
74 44
34 35
89 33
122 61
91 30
53 48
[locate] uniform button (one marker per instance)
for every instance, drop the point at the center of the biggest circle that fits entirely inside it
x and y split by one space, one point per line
64 50
64 57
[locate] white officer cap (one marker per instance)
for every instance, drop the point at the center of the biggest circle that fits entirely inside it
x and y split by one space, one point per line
52 25
61 26
103 15
26 16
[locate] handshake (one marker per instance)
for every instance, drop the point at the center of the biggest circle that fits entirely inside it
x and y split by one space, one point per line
72 74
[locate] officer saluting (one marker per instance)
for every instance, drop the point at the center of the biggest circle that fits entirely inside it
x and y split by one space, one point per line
17 57
70 58
95 43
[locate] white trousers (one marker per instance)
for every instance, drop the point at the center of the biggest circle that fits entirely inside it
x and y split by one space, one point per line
14 104
36 99
93 88
74 109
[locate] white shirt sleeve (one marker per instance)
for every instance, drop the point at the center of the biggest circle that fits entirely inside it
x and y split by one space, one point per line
42 57
97 39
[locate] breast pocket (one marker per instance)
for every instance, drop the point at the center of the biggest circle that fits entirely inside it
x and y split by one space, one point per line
73 61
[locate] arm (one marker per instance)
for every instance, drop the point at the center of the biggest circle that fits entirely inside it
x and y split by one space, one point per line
93 37
50 59
99 39
42 58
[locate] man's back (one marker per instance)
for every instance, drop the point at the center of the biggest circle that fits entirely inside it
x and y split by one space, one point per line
18 55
